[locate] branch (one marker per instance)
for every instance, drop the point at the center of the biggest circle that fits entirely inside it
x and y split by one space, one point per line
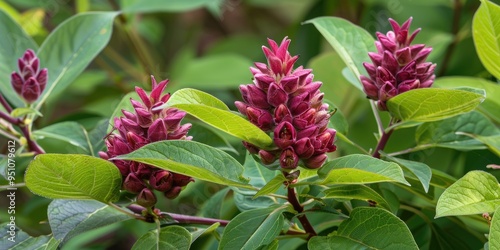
292 198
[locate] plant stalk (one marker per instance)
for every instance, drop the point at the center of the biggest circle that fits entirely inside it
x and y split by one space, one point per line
292 198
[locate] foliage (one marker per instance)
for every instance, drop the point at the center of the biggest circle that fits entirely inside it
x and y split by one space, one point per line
418 172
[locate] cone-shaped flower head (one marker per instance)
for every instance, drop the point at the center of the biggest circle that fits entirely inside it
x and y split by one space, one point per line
288 103
397 66
145 125
30 81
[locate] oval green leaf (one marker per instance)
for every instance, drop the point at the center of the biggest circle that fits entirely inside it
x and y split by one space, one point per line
357 192
171 238
486 32
475 193
71 132
253 228
194 96
71 47
12 47
432 104
272 186
69 218
351 42
494 235
22 240
360 169
19 112
71 176
367 228
419 171
192 159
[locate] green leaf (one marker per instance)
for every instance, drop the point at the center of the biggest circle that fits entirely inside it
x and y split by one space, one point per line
213 206
494 235
208 109
351 42
71 47
145 6
205 134
475 193
71 176
253 228
197 232
490 106
223 71
194 96
12 47
19 112
21 240
367 228
486 32
272 186
171 237
421 171
192 159
357 192
360 169
444 133
97 135
432 104
71 132
441 179
70 218
492 142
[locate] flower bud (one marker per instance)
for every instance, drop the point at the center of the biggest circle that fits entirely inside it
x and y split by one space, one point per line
161 180
173 192
181 180
146 198
288 159
267 157
315 161
284 135
276 95
304 148
133 184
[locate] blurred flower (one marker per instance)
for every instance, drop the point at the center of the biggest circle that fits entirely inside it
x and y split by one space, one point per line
287 102
30 81
139 128
397 66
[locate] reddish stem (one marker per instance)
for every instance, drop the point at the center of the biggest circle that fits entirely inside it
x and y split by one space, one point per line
381 143
292 198
5 104
181 218
32 145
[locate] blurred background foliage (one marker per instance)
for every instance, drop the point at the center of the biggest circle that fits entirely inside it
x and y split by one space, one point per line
211 49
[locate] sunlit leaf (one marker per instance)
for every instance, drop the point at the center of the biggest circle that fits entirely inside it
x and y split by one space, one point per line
70 132
494 235
486 32
171 238
357 192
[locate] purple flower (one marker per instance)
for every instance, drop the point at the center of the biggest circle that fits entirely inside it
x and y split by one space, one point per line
30 81
288 103
397 66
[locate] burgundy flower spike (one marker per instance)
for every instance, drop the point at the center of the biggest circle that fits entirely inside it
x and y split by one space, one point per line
397 66
30 81
288 103
136 129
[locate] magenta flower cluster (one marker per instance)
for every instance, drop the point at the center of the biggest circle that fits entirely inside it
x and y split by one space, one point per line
287 102
145 125
397 66
30 81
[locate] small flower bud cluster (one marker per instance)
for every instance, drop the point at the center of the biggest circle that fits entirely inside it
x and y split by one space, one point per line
397 66
136 129
288 103
30 81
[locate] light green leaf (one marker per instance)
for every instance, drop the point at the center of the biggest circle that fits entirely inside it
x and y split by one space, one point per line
357 192
22 240
222 71
494 235
12 47
222 119
486 32
19 112
71 132
171 237
194 96
203 133
432 104
145 6
421 171
351 42
447 133
367 228
490 106
475 193
360 169
71 176
272 186
69 218
197 232
253 228
71 47
192 159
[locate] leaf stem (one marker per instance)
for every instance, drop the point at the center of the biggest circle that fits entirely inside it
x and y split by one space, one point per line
383 140
181 218
292 198
132 214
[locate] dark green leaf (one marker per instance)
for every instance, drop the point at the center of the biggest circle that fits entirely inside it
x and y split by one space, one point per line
71 47
360 169
485 31
12 47
171 237
69 218
192 159
70 132
253 228
197 232
367 228
19 240
475 193
212 207
68 176
357 192
420 170
145 6
494 235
